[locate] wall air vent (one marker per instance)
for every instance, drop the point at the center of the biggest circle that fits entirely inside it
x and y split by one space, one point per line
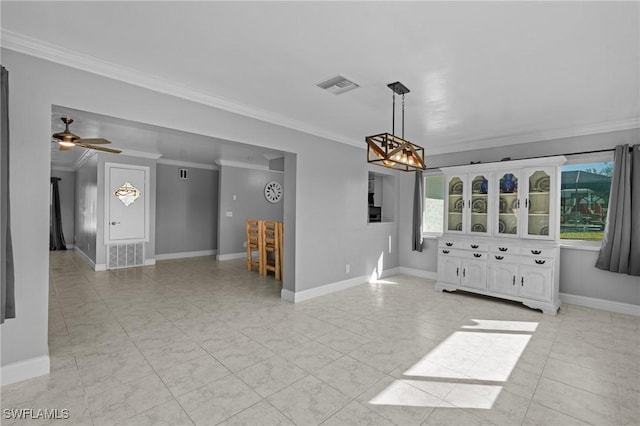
125 255
338 85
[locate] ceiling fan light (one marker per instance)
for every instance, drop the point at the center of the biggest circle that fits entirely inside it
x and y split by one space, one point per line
65 146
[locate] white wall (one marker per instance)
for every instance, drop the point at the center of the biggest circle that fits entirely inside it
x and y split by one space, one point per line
86 211
329 200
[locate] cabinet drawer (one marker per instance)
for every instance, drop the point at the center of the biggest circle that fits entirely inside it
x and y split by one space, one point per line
449 244
504 248
537 251
473 254
446 251
463 245
500 257
536 261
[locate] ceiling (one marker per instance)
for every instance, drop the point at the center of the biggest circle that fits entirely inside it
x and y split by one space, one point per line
481 74
143 139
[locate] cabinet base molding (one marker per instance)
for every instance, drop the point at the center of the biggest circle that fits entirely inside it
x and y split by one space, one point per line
547 308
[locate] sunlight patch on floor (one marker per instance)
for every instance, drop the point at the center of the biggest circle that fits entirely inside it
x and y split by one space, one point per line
466 370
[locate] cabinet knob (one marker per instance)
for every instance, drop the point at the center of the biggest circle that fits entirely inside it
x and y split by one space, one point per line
477 255
540 262
445 251
449 244
499 257
474 246
536 251
503 248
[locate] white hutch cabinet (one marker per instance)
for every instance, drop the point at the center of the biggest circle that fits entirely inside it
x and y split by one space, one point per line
501 231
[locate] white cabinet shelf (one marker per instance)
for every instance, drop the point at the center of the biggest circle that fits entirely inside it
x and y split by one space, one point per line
501 231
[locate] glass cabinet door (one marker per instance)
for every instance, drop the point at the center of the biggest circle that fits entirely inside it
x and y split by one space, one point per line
479 205
455 203
538 203
508 204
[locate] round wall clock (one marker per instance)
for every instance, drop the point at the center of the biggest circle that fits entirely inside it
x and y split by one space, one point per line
273 192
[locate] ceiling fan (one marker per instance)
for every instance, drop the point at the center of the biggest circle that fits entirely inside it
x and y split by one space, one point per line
67 140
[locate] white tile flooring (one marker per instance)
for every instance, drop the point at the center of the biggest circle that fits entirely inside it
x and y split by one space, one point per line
203 342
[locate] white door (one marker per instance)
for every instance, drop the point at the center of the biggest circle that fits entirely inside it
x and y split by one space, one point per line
449 269
535 282
127 202
474 274
502 278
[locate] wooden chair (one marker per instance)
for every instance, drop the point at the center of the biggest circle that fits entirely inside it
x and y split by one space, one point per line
272 254
254 242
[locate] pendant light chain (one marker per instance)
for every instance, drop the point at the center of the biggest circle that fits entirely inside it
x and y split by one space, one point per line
393 114
403 116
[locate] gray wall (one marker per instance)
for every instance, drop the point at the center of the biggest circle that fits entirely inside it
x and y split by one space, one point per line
67 190
86 208
248 187
186 210
577 275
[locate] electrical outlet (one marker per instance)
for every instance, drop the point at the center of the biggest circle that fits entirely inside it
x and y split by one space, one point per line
347 268
244 244
229 214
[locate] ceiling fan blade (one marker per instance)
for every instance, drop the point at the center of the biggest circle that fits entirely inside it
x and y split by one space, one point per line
101 148
94 141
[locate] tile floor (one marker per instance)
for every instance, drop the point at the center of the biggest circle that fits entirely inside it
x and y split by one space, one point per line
203 342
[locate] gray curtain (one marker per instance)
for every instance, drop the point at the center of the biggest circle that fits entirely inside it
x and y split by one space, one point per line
56 236
418 201
7 302
620 250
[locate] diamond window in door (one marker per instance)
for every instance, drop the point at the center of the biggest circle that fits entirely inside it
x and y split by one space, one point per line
127 193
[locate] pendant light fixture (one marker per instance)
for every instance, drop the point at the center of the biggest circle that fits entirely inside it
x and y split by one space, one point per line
389 150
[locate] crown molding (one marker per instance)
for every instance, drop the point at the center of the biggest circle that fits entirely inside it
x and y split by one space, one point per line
140 154
245 166
83 159
517 139
179 163
40 49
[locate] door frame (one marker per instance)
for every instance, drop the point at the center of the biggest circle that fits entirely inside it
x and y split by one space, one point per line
107 199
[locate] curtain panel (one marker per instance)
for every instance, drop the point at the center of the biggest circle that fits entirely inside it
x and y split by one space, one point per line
620 250
7 298
418 205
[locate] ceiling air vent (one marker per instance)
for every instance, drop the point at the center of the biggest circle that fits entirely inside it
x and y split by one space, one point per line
338 85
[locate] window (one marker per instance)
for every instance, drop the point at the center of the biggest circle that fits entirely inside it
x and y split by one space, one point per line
584 198
433 212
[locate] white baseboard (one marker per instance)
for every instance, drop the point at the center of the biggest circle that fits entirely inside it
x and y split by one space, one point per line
23 370
232 256
418 273
149 262
98 267
69 246
185 254
300 296
605 305
288 295
85 257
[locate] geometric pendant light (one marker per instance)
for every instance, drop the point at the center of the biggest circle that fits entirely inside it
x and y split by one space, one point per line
389 150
